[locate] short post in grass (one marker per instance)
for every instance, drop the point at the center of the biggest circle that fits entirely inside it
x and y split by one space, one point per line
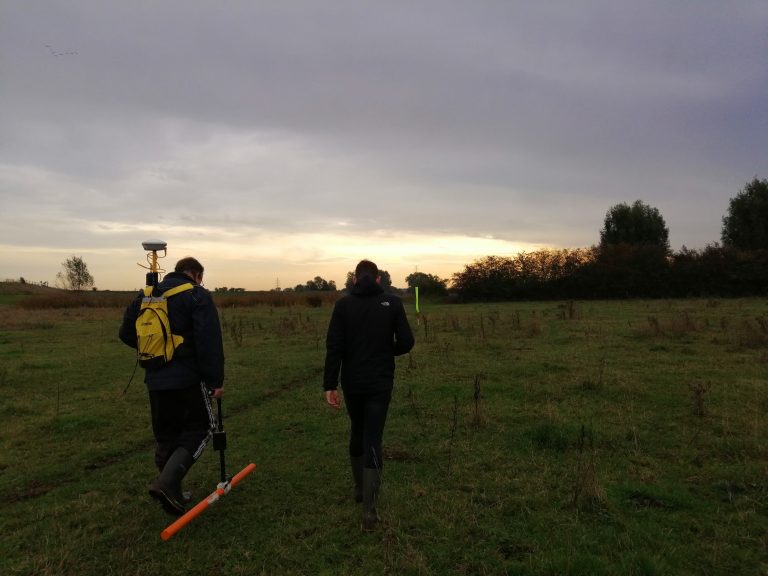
454 421
477 417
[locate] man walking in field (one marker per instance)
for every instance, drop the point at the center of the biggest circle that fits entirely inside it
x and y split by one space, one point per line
368 328
180 390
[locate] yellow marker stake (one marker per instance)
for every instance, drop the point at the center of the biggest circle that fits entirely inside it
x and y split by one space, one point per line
418 312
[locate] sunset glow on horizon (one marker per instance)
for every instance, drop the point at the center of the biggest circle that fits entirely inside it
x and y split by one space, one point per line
265 261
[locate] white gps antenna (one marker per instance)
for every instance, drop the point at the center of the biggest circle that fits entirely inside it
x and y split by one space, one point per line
153 247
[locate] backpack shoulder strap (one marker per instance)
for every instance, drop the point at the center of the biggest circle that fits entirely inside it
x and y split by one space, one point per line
178 289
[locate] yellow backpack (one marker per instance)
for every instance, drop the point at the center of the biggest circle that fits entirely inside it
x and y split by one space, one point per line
155 342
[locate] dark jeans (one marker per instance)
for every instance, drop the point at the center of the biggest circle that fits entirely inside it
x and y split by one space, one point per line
367 414
181 418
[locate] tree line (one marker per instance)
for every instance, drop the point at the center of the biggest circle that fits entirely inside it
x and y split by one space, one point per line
634 260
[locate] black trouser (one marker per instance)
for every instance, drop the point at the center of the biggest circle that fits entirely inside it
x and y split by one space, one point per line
367 414
181 418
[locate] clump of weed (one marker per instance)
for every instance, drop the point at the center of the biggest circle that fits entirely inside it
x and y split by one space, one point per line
429 335
698 391
587 490
287 325
236 331
314 301
655 327
398 453
549 436
682 324
753 335
445 350
533 329
595 385
412 401
411 364
567 311
645 499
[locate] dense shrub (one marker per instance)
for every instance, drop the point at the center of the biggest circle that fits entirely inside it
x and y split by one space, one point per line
615 271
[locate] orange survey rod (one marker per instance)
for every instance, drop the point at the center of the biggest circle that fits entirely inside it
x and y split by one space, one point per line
222 489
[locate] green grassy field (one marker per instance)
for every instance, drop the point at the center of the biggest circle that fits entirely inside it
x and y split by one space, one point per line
523 438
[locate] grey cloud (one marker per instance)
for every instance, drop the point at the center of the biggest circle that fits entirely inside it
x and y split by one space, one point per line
521 120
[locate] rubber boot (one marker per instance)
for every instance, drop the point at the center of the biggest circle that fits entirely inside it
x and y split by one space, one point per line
358 463
167 488
371 483
186 497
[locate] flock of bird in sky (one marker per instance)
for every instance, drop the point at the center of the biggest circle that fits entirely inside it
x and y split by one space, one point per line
55 53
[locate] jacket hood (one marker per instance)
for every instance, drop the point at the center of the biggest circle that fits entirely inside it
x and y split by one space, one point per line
366 286
173 279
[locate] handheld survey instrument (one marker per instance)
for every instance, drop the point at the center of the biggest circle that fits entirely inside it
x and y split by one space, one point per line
222 488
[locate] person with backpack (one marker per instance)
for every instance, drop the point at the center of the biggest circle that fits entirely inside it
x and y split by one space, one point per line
368 328
175 328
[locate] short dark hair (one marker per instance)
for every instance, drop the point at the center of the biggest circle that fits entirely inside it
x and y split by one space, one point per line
366 268
189 264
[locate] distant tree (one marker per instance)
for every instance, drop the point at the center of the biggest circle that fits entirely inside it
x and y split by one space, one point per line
427 283
317 284
745 227
74 274
635 225
386 280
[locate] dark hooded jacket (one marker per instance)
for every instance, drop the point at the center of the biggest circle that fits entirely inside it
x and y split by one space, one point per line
368 328
192 315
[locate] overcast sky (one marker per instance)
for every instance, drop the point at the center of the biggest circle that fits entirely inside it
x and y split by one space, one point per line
280 140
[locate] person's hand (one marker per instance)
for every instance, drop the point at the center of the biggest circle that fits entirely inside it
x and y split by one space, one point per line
332 399
217 392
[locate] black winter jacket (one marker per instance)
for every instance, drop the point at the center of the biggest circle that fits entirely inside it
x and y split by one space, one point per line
368 328
192 315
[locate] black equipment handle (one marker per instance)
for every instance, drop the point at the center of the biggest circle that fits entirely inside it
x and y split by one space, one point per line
220 440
